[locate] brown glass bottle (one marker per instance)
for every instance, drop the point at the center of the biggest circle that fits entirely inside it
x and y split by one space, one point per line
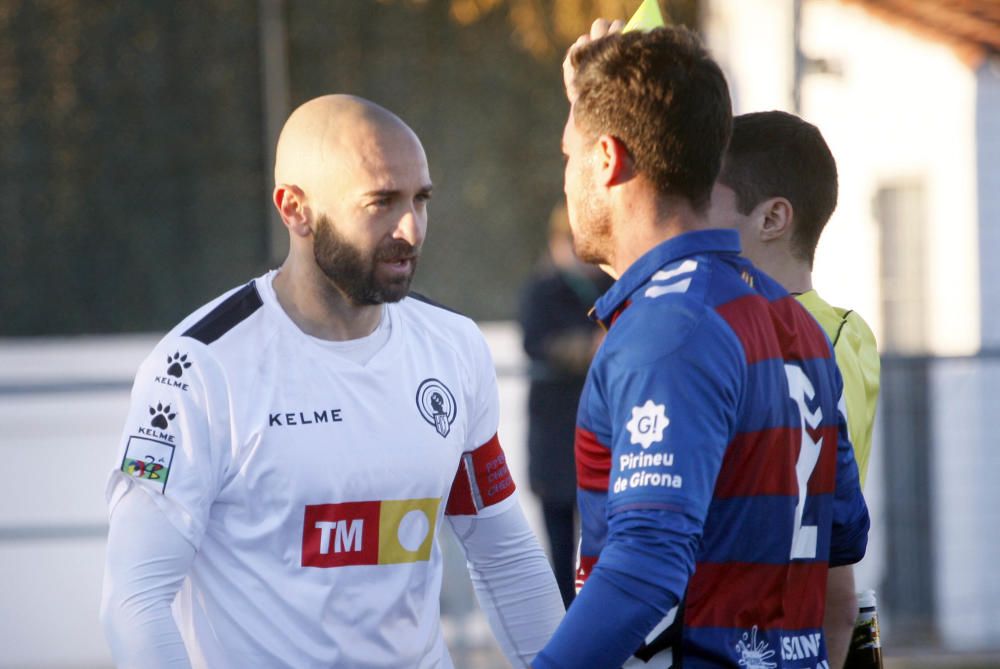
866 645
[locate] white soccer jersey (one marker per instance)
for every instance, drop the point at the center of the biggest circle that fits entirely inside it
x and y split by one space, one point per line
313 487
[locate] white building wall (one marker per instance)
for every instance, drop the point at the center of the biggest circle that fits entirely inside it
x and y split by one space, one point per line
898 107
902 108
966 503
988 133
752 41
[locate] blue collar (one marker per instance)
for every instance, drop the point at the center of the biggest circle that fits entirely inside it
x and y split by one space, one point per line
676 248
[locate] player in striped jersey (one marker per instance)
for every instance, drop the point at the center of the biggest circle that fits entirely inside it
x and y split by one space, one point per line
778 187
716 479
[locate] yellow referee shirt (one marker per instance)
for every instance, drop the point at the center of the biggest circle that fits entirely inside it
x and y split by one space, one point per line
857 358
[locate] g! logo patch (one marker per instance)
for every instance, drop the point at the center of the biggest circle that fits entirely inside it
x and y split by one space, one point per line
437 405
647 424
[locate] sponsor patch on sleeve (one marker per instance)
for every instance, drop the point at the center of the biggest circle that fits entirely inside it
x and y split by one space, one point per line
647 424
148 459
483 479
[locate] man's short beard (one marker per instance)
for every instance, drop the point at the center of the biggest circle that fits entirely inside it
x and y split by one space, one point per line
592 236
355 274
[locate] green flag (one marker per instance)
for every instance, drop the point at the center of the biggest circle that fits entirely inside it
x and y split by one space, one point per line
647 17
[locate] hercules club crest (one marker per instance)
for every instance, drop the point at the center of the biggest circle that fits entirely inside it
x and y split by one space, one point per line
437 405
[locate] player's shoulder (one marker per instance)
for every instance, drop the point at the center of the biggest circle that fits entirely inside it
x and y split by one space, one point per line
217 330
433 314
802 327
219 317
673 309
857 328
680 286
224 321
701 282
759 313
427 318
845 327
857 350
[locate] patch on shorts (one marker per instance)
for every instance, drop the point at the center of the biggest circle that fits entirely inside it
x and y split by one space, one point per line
148 459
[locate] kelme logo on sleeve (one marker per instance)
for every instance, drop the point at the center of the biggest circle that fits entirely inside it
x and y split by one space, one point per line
176 364
369 533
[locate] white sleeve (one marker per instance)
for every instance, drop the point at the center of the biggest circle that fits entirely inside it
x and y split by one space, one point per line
484 402
176 439
147 560
512 579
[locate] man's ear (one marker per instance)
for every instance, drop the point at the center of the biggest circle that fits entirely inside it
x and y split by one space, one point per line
777 219
290 202
614 164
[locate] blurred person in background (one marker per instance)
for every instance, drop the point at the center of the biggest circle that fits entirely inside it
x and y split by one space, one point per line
293 446
717 482
560 340
778 187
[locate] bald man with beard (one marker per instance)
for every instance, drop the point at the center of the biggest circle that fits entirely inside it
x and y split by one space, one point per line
293 447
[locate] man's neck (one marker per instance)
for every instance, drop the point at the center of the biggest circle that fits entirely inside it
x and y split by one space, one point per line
318 308
639 229
777 260
795 277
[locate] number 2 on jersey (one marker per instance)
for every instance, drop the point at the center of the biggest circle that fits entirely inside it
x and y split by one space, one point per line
801 389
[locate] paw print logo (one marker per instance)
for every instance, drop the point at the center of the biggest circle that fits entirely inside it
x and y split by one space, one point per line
178 363
161 416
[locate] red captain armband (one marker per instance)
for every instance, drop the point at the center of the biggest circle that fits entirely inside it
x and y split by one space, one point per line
593 461
483 479
583 569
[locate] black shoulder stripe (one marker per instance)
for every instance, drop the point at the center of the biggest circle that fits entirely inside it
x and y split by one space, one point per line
230 312
840 328
427 300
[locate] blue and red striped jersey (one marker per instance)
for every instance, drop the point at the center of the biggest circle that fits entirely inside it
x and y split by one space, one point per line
714 469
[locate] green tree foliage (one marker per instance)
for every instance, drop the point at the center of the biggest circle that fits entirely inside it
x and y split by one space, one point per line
133 183
130 168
